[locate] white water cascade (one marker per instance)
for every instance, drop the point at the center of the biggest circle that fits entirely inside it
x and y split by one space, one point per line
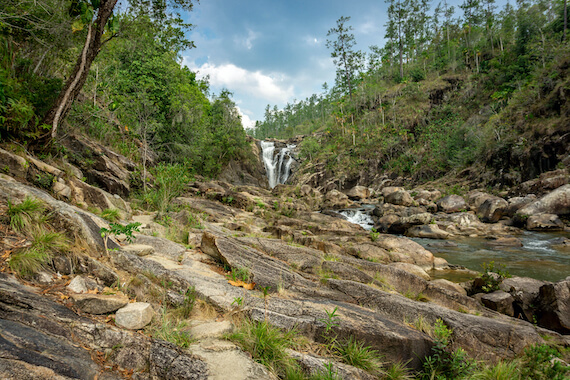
277 166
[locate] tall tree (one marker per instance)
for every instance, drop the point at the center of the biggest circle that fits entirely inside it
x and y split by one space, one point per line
398 15
347 60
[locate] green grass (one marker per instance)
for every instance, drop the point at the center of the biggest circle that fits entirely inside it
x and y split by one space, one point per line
45 244
267 345
170 329
355 353
500 371
397 371
111 215
25 214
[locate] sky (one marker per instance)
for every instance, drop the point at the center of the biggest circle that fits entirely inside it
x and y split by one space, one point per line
273 51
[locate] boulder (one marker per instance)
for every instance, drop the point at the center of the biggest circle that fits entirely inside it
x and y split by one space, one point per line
399 197
451 203
506 241
99 303
499 301
428 195
430 231
134 316
516 203
492 209
418 254
13 164
335 199
476 198
452 286
358 193
161 246
525 292
82 284
544 222
554 300
412 269
556 202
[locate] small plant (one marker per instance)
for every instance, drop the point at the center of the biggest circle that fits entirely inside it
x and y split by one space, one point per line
266 344
265 290
239 274
184 310
111 215
374 235
355 353
238 301
24 214
397 371
229 200
45 244
118 229
493 276
329 257
171 330
444 363
500 371
541 362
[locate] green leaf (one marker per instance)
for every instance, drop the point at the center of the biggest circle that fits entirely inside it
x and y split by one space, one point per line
95 3
77 26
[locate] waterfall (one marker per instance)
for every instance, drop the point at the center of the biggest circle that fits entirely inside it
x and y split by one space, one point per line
277 166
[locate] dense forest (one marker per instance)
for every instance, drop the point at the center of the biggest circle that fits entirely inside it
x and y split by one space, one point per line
115 75
444 92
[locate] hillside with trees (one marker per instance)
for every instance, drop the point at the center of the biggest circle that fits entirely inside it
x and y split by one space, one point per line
123 83
478 87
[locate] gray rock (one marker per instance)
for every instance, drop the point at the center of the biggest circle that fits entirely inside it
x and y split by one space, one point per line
556 202
516 203
499 301
452 286
13 164
492 209
412 269
162 246
335 199
138 249
170 362
451 203
544 222
134 316
99 303
203 330
430 231
358 193
554 300
525 291
399 197
314 365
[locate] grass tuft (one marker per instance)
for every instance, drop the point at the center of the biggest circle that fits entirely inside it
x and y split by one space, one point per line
111 215
355 353
25 214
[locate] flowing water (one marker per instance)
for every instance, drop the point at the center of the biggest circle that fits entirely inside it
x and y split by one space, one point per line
277 166
537 258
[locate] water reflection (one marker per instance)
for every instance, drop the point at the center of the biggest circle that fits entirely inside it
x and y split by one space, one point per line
537 258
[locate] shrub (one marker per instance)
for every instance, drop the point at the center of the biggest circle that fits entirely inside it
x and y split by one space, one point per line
541 362
111 215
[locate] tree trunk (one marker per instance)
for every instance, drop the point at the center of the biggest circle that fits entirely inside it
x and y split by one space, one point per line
565 20
78 77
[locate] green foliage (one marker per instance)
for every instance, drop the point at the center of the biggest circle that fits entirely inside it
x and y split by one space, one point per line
111 215
374 235
183 311
443 363
267 345
239 273
119 229
500 371
170 329
25 214
357 354
493 276
45 245
541 363
397 371
170 180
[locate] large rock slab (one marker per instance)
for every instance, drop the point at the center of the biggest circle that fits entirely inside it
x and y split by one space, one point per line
554 302
544 222
556 202
399 197
499 301
451 203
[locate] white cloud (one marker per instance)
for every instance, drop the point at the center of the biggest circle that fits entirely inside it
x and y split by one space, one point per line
270 88
245 119
247 42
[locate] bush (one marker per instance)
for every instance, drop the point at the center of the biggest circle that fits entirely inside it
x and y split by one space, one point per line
541 363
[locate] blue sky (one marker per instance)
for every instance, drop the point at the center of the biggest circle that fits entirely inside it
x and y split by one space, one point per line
273 51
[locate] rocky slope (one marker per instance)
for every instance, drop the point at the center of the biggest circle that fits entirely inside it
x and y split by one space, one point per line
69 320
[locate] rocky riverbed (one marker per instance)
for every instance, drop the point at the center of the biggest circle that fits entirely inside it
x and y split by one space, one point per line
303 264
